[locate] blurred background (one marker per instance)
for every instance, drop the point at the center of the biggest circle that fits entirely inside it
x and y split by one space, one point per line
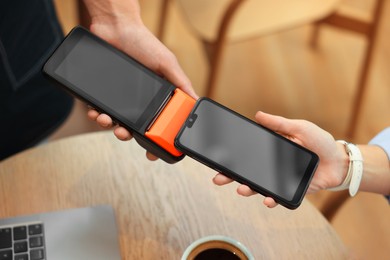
277 70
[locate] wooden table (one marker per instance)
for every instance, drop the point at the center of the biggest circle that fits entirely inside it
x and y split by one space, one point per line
160 208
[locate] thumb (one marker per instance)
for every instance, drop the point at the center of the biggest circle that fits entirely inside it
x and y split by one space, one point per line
275 123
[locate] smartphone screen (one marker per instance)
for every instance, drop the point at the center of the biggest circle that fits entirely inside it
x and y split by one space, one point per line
247 152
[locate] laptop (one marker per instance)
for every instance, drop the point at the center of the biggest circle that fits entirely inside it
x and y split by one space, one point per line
82 233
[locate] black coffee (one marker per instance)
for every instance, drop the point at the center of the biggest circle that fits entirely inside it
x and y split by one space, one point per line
215 254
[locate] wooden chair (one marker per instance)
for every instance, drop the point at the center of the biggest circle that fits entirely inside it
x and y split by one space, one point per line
332 203
367 27
219 22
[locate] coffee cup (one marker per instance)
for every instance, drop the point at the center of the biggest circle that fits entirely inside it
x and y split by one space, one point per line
216 247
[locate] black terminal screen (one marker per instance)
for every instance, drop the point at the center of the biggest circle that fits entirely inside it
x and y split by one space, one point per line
109 80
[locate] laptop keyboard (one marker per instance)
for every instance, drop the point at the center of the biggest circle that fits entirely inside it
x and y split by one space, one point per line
22 242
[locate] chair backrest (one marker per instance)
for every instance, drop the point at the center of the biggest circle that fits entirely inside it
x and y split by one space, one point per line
252 17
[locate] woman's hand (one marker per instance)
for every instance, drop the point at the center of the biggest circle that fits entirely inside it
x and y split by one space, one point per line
333 164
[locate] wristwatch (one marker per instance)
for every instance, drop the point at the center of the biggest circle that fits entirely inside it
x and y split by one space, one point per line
355 169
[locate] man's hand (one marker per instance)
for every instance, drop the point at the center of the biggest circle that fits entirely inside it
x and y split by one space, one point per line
119 23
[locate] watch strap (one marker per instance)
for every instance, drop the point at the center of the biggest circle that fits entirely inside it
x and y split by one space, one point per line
355 170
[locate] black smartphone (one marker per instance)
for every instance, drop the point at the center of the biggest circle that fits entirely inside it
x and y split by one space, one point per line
247 152
113 83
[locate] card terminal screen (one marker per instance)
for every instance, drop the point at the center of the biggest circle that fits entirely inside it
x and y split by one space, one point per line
109 78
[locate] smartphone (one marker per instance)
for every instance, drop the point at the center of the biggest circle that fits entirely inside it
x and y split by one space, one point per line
110 81
247 152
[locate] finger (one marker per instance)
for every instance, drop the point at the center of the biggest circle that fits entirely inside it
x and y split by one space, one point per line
245 191
93 114
174 73
122 134
104 121
221 179
151 156
275 123
270 202
164 63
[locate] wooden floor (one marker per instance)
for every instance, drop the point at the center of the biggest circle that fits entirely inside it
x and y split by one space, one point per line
280 74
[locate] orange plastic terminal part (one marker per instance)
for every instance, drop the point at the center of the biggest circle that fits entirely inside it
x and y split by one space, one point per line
170 120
